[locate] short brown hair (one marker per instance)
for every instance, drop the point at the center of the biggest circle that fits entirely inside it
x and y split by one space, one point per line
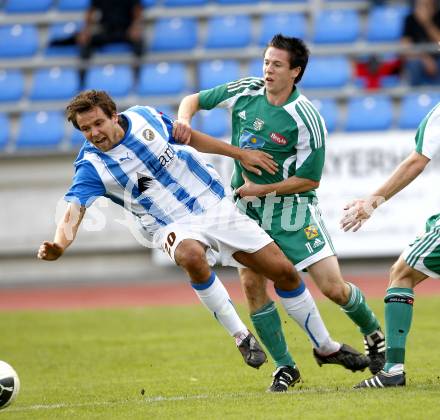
297 49
87 100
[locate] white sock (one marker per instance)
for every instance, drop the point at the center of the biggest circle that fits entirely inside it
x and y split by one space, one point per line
397 368
215 297
301 307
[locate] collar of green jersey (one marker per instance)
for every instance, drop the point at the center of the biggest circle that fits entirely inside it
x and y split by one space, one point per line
294 95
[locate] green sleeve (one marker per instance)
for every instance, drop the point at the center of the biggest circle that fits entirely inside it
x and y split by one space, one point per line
311 146
420 134
313 166
226 95
210 98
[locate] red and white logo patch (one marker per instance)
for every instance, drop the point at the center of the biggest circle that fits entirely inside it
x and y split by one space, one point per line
278 139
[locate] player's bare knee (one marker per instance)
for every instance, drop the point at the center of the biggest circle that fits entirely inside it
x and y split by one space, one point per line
286 276
336 293
191 256
402 275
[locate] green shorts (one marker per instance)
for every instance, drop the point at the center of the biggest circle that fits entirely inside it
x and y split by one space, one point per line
296 226
424 253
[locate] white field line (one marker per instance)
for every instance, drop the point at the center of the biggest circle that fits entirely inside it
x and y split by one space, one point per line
143 400
160 399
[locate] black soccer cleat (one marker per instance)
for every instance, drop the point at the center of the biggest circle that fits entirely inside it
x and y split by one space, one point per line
383 380
252 352
375 350
346 356
284 377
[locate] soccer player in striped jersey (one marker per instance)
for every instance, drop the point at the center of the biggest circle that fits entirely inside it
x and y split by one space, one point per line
178 200
270 114
420 259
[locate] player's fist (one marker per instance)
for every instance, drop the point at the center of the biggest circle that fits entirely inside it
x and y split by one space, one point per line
182 131
49 251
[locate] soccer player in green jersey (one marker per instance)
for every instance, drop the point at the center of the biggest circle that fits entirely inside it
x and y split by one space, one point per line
271 115
420 259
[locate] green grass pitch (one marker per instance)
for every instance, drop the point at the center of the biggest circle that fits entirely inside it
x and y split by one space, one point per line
178 363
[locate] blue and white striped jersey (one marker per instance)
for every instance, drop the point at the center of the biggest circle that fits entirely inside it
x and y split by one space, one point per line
154 178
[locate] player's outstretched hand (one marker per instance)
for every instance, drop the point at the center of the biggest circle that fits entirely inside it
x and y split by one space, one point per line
252 160
357 212
49 251
182 131
354 216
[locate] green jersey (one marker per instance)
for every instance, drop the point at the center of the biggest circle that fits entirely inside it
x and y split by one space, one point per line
423 254
428 134
294 133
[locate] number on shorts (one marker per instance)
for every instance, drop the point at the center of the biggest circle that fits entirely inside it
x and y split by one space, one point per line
171 238
309 248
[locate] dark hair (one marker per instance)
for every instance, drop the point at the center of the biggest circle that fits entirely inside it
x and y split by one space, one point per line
87 100
297 49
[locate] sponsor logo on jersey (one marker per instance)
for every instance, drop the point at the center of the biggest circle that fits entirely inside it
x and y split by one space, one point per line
317 242
242 115
144 182
148 134
311 232
258 124
251 141
278 139
124 158
166 157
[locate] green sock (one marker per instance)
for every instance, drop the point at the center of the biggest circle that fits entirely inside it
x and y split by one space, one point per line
359 312
267 323
398 316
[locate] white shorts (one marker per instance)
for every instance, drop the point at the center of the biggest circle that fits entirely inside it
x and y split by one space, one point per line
222 228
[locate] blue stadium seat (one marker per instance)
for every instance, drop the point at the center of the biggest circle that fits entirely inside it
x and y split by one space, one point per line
385 23
4 130
27 6
77 138
371 113
115 48
215 72
174 34
289 24
236 1
55 83
148 3
326 72
40 130
215 122
11 85
18 40
181 3
228 31
414 107
59 31
329 110
73 5
116 80
162 79
336 26
255 67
